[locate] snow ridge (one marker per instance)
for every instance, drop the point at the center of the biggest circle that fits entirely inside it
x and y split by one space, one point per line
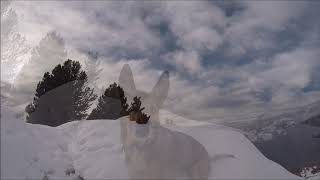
94 151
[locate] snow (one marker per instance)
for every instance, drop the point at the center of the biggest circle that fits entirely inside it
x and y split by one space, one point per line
312 172
29 151
94 150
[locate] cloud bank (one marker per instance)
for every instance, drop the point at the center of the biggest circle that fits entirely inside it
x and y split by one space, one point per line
222 56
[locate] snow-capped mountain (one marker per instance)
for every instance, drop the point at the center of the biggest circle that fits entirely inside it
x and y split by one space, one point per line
283 135
310 172
313 121
276 121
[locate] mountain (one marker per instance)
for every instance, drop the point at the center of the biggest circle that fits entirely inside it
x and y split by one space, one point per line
92 150
312 172
295 149
313 121
276 121
287 136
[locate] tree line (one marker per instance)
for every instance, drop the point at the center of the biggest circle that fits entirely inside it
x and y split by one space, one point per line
64 95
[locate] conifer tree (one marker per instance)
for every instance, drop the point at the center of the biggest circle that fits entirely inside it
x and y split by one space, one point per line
50 52
135 112
61 96
13 45
136 105
92 66
111 105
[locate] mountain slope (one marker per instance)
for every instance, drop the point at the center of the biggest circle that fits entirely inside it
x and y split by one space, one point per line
93 150
314 121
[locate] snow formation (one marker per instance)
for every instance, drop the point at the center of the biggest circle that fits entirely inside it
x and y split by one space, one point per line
94 151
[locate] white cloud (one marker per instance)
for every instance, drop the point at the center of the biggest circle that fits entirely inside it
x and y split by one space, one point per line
188 61
202 38
130 32
195 24
254 27
102 26
292 69
259 13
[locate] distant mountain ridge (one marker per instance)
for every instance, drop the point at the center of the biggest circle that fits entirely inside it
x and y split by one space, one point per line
276 121
313 121
288 136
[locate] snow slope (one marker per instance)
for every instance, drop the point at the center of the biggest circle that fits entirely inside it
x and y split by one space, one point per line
93 149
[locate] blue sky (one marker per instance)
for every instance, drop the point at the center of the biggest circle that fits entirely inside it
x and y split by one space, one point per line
221 55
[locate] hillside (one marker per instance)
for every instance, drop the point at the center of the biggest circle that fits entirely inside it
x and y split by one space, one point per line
313 121
93 150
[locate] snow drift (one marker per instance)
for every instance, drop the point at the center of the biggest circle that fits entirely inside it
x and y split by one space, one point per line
94 151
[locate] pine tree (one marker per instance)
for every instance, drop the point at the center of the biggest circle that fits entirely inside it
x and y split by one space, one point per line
93 68
61 96
135 112
13 44
50 52
111 105
136 105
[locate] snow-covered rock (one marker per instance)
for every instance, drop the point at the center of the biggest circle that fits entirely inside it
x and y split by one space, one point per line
94 151
312 172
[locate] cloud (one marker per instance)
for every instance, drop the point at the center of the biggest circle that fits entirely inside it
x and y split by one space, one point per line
195 24
292 69
188 61
222 56
202 38
256 25
290 72
112 29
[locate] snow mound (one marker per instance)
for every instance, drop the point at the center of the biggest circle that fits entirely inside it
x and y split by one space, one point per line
94 151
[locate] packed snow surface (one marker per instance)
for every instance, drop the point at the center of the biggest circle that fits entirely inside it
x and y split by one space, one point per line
94 150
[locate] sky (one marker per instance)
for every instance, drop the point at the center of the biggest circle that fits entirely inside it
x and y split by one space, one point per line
223 56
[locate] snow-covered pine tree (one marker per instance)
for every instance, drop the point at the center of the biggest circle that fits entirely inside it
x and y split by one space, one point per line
13 45
50 52
61 96
93 68
111 105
